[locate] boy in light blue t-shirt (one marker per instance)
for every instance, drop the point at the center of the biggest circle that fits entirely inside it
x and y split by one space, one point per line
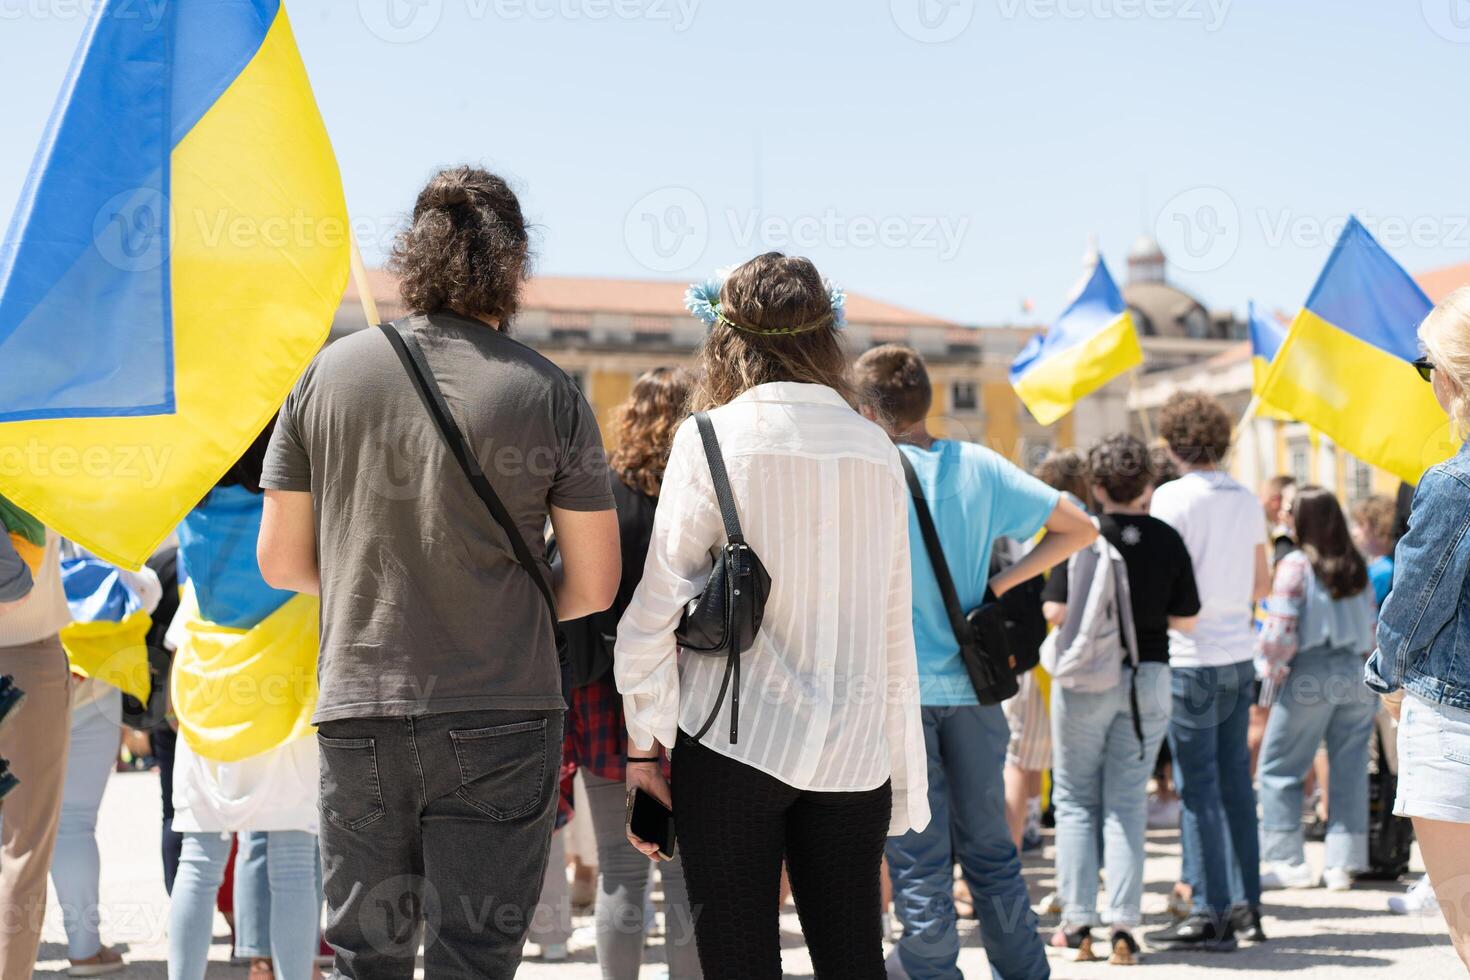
975 496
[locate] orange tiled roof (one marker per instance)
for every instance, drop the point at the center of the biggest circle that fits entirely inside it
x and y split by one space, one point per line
1439 283
638 297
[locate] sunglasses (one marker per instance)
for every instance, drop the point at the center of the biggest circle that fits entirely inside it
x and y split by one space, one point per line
1425 367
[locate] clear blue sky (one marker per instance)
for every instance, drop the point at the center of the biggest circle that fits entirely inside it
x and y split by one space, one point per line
663 138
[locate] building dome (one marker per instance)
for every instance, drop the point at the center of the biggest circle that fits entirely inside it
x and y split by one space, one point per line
1145 260
1161 310
1145 248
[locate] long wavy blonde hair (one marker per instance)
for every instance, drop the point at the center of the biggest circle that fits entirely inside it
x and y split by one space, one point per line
772 292
645 425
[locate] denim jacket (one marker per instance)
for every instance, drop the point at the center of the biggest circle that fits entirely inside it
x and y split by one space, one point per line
1424 627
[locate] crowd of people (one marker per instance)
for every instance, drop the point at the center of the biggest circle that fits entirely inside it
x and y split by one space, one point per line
448 599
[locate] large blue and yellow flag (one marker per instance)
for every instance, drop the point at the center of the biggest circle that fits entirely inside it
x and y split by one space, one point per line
1092 342
1346 365
178 252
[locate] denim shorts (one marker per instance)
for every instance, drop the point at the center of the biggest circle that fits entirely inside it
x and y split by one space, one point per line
1434 761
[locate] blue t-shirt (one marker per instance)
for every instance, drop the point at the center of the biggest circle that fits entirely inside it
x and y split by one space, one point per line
976 496
1380 576
217 553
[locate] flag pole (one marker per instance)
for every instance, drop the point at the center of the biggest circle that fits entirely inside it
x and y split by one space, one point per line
359 277
1148 427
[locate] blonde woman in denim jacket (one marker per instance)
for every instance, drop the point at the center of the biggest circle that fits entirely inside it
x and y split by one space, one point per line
1424 634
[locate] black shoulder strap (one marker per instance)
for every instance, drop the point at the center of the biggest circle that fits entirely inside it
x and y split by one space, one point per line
412 356
957 620
720 477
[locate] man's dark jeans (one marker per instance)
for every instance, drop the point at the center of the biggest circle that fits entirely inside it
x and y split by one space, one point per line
443 818
1212 768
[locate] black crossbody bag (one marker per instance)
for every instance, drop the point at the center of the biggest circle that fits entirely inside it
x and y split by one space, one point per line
722 621
984 646
412 357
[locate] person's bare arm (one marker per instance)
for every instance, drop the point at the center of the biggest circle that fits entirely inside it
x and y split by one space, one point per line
286 548
591 561
1068 531
1184 624
1055 612
1262 586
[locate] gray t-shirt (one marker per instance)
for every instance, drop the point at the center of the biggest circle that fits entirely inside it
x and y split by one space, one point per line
424 607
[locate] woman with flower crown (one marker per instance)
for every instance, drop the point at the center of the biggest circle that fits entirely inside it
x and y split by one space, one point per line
826 756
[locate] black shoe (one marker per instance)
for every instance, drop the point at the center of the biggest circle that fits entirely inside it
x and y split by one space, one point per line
1124 948
1079 939
1246 921
8 781
1196 932
10 698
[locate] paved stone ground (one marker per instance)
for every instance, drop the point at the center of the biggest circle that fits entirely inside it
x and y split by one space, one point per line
1314 933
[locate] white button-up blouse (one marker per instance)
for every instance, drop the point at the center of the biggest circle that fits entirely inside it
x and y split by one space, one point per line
829 690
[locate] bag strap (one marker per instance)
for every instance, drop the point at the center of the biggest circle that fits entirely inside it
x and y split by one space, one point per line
731 518
412 356
957 620
721 479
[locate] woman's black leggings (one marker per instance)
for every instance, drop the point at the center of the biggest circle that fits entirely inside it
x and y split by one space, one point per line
735 824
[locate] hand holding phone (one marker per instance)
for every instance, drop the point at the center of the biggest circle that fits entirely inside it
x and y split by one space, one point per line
650 817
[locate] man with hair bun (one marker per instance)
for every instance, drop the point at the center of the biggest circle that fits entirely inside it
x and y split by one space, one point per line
440 709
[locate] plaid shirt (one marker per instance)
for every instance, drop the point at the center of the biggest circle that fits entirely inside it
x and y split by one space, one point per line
596 738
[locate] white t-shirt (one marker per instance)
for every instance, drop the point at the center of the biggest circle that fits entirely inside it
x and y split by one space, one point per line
1221 524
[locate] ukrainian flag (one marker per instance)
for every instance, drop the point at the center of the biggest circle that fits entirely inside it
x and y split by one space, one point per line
1266 334
1092 342
1345 367
178 252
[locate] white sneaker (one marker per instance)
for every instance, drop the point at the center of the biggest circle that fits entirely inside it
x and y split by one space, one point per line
1418 900
1050 905
1279 874
1337 879
554 952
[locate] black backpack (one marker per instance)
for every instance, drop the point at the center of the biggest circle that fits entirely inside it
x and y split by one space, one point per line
1390 837
590 639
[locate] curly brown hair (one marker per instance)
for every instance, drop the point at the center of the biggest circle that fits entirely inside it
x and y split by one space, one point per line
1196 428
1067 470
1120 464
467 249
771 292
645 425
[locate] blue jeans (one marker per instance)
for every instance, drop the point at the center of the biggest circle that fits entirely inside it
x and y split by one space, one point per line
278 899
294 903
96 732
1100 775
966 748
1324 698
1207 736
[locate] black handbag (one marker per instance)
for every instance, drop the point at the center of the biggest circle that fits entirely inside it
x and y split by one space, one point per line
412 358
722 621
984 645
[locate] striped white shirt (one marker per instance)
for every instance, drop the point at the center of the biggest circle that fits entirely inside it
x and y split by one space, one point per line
829 691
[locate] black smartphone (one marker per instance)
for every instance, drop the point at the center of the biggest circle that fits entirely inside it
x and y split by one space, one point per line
651 821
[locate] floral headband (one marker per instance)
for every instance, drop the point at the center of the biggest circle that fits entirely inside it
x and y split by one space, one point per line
702 299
